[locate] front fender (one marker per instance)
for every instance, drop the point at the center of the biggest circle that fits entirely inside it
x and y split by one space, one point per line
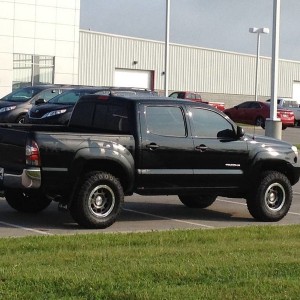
269 158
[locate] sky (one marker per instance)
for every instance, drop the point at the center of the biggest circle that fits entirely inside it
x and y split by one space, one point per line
215 24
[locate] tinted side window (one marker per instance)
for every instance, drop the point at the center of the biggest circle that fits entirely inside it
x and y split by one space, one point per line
49 94
112 118
165 120
254 105
244 105
82 115
206 123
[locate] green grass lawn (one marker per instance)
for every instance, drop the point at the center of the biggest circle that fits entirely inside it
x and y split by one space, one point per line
237 263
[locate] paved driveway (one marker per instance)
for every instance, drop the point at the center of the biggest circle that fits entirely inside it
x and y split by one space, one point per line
141 214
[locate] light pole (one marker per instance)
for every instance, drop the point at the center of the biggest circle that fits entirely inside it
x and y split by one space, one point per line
258 31
274 124
167 37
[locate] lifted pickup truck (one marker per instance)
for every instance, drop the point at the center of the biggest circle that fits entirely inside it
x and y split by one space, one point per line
116 146
196 97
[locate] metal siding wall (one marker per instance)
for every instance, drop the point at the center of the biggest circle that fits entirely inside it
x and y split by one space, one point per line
190 68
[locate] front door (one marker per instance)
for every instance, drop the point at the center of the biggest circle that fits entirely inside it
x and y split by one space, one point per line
219 156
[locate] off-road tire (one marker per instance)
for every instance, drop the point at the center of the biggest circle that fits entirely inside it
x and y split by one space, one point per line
271 198
98 200
27 201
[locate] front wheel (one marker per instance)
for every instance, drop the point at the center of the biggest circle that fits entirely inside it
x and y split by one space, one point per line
20 119
27 201
194 201
271 199
98 201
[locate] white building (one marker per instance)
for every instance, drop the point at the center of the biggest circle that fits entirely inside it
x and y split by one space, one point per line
107 59
40 42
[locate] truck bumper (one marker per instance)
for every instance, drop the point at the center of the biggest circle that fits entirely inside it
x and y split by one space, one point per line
29 179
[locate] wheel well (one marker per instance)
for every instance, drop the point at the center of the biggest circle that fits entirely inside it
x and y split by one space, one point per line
22 115
111 167
281 167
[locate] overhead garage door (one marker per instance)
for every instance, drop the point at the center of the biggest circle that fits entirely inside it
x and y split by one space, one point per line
134 78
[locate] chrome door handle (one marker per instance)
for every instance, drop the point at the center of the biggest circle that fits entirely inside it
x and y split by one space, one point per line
152 146
201 148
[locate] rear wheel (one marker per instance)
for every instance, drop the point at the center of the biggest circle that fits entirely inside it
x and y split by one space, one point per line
98 201
196 201
271 198
27 201
260 121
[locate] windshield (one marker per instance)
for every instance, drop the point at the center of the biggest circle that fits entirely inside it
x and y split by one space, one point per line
70 97
22 95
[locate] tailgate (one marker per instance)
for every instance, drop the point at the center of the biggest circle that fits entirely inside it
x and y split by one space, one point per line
12 149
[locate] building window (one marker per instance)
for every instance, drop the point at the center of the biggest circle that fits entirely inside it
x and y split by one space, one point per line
32 69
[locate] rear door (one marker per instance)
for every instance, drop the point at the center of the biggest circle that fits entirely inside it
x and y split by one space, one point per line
166 149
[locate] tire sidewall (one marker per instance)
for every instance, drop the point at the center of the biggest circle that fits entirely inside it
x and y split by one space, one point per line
81 210
258 204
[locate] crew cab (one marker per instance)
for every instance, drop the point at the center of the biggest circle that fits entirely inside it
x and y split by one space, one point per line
193 96
117 146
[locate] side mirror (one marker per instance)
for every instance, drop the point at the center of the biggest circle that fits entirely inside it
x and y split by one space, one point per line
39 101
240 132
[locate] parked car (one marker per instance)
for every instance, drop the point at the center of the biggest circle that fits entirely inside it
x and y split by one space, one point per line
193 96
290 104
15 105
58 110
256 112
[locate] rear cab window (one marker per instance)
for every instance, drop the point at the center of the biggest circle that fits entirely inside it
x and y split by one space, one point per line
112 117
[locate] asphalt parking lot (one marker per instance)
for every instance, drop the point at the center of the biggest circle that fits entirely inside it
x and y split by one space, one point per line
141 213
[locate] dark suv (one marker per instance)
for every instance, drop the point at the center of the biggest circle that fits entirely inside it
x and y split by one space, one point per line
58 110
14 106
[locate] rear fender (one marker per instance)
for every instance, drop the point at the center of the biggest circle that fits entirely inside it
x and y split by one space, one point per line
113 158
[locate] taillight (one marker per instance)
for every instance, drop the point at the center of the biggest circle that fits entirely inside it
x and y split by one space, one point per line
33 154
104 98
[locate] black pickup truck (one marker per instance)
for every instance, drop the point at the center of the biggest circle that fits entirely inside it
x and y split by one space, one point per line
117 146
